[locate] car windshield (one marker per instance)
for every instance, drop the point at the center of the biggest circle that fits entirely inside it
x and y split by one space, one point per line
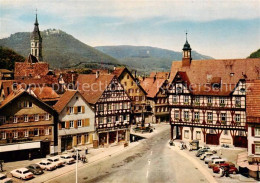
26 171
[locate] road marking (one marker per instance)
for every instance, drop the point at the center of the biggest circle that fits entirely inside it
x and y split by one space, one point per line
147 173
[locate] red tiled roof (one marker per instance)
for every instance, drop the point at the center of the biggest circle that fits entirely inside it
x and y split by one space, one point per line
224 72
91 87
164 75
118 71
10 97
200 71
45 93
64 100
152 86
253 101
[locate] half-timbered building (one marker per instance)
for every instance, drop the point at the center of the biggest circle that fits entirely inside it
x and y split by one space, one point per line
157 97
141 109
111 104
207 99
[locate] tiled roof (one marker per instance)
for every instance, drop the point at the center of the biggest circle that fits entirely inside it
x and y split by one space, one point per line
152 85
164 75
45 93
7 84
253 101
12 96
224 72
230 70
118 71
64 100
91 87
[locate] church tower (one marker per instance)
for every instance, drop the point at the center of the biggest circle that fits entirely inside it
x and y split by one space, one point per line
36 41
186 57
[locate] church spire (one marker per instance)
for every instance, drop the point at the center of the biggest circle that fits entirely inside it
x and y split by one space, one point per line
36 40
186 57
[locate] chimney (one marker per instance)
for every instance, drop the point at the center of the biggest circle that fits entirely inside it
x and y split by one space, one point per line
154 78
97 74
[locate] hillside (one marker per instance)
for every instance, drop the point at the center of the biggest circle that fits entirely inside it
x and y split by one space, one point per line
60 49
145 58
8 57
255 54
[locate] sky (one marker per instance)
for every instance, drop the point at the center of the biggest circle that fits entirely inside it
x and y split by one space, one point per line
218 28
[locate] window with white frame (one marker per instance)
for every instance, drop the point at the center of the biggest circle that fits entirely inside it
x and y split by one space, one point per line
176 114
117 118
238 101
210 100
196 116
15 119
25 118
47 116
109 106
186 115
257 131
257 148
125 105
186 99
222 100
71 109
36 117
80 123
223 117
71 124
210 117
198 135
225 132
109 119
101 120
237 118
79 109
15 134
36 132
3 134
47 132
124 117
30 104
186 134
197 99
26 133
174 99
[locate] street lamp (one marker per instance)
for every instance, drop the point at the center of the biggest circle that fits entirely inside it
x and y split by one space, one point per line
77 158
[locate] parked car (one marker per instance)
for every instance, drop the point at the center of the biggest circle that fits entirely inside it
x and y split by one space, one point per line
35 169
4 179
208 159
201 151
22 173
67 159
55 160
206 155
232 169
46 165
215 162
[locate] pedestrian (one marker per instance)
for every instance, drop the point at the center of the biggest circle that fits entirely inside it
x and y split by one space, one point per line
1 165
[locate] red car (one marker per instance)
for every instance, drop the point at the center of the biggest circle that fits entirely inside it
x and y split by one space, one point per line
232 168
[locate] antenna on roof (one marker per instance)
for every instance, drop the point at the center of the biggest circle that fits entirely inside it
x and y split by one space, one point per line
186 34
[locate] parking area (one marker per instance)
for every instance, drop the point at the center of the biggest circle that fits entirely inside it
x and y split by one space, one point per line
220 159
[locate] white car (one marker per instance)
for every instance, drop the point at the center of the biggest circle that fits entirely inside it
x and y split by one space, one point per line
4 179
211 158
46 165
55 160
22 173
67 159
206 155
